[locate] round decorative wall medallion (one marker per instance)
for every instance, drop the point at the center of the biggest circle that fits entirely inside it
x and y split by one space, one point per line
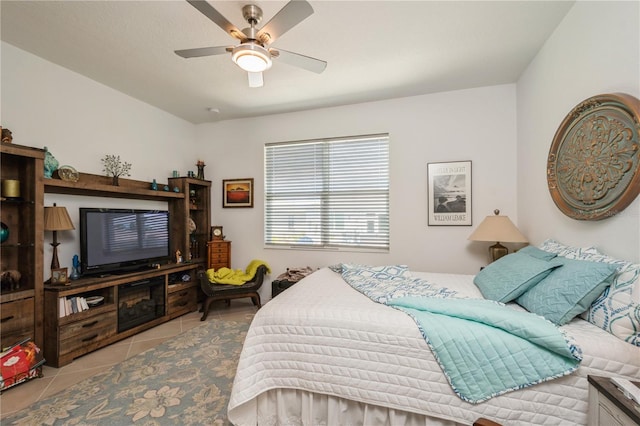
593 165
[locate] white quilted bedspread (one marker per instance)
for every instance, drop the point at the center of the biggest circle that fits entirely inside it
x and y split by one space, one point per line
323 336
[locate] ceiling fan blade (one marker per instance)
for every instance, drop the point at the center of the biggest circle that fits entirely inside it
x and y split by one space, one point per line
255 79
288 17
298 60
202 51
207 10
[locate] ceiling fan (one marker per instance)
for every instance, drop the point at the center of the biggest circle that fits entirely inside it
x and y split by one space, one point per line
253 54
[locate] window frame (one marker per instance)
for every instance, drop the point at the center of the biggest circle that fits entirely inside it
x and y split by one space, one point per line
373 191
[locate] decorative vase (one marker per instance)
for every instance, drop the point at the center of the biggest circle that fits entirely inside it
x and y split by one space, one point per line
116 180
4 232
11 188
50 163
75 271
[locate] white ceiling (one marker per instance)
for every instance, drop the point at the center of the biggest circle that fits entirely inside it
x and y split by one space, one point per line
375 49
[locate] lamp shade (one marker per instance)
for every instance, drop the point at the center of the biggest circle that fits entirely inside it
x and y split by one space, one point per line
497 229
57 219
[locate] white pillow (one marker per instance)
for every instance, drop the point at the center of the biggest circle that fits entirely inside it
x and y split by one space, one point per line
570 252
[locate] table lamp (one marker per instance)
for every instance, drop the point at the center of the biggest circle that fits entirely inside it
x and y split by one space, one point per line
56 219
497 228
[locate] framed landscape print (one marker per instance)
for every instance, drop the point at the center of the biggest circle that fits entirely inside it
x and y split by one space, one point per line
237 192
449 193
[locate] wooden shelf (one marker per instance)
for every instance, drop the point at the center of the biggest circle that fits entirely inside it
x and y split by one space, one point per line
197 207
22 314
101 186
10 296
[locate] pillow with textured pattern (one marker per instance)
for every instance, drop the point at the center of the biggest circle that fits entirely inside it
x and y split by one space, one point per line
511 275
568 290
537 253
617 308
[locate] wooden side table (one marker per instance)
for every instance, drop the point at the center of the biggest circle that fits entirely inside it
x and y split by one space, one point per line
608 406
219 254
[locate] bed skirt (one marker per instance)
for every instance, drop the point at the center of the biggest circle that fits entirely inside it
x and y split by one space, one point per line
298 407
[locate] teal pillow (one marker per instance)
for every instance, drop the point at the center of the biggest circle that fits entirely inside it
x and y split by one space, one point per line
537 253
569 290
511 275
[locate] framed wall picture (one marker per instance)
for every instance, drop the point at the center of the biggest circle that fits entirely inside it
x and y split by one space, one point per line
237 192
449 193
59 276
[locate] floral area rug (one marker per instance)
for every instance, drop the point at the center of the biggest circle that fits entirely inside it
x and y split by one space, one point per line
184 381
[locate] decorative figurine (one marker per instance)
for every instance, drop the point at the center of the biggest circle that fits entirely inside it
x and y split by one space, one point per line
166 188
50 163
200 165
10 280
7 136
113 166
176 189
178 256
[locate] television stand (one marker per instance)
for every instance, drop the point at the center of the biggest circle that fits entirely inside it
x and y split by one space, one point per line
70 334
133 270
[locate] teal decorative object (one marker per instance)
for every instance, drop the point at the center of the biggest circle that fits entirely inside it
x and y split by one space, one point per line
75 272
154 185
50 163
4 232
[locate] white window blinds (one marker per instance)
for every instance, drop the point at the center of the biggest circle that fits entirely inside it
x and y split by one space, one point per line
330 193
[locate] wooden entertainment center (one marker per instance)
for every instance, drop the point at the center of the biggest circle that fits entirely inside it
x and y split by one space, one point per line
69 336
34 309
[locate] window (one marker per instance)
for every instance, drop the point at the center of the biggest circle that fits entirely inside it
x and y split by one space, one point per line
328 193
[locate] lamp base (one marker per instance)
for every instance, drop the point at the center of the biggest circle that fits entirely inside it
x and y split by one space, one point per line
497 251
55 264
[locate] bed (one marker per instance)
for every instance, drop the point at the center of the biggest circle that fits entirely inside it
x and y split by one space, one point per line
325 353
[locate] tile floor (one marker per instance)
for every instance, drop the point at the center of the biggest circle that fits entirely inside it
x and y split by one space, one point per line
56 379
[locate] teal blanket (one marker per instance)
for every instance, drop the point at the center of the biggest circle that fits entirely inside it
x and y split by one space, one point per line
484 347
487 349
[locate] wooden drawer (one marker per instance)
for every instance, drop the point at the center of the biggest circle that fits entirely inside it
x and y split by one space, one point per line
218 253
218 259
218 250
80 333
183 301
16 321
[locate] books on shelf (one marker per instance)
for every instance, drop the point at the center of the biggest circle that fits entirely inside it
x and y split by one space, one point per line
72 305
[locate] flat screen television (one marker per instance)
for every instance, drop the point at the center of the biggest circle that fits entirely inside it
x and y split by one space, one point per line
122 240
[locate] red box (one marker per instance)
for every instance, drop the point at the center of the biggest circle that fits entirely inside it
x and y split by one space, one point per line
20 362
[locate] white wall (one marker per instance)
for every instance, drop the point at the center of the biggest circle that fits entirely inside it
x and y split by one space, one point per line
595 50
80 121
476 125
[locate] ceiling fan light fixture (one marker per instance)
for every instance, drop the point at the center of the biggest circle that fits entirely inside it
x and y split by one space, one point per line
251 57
